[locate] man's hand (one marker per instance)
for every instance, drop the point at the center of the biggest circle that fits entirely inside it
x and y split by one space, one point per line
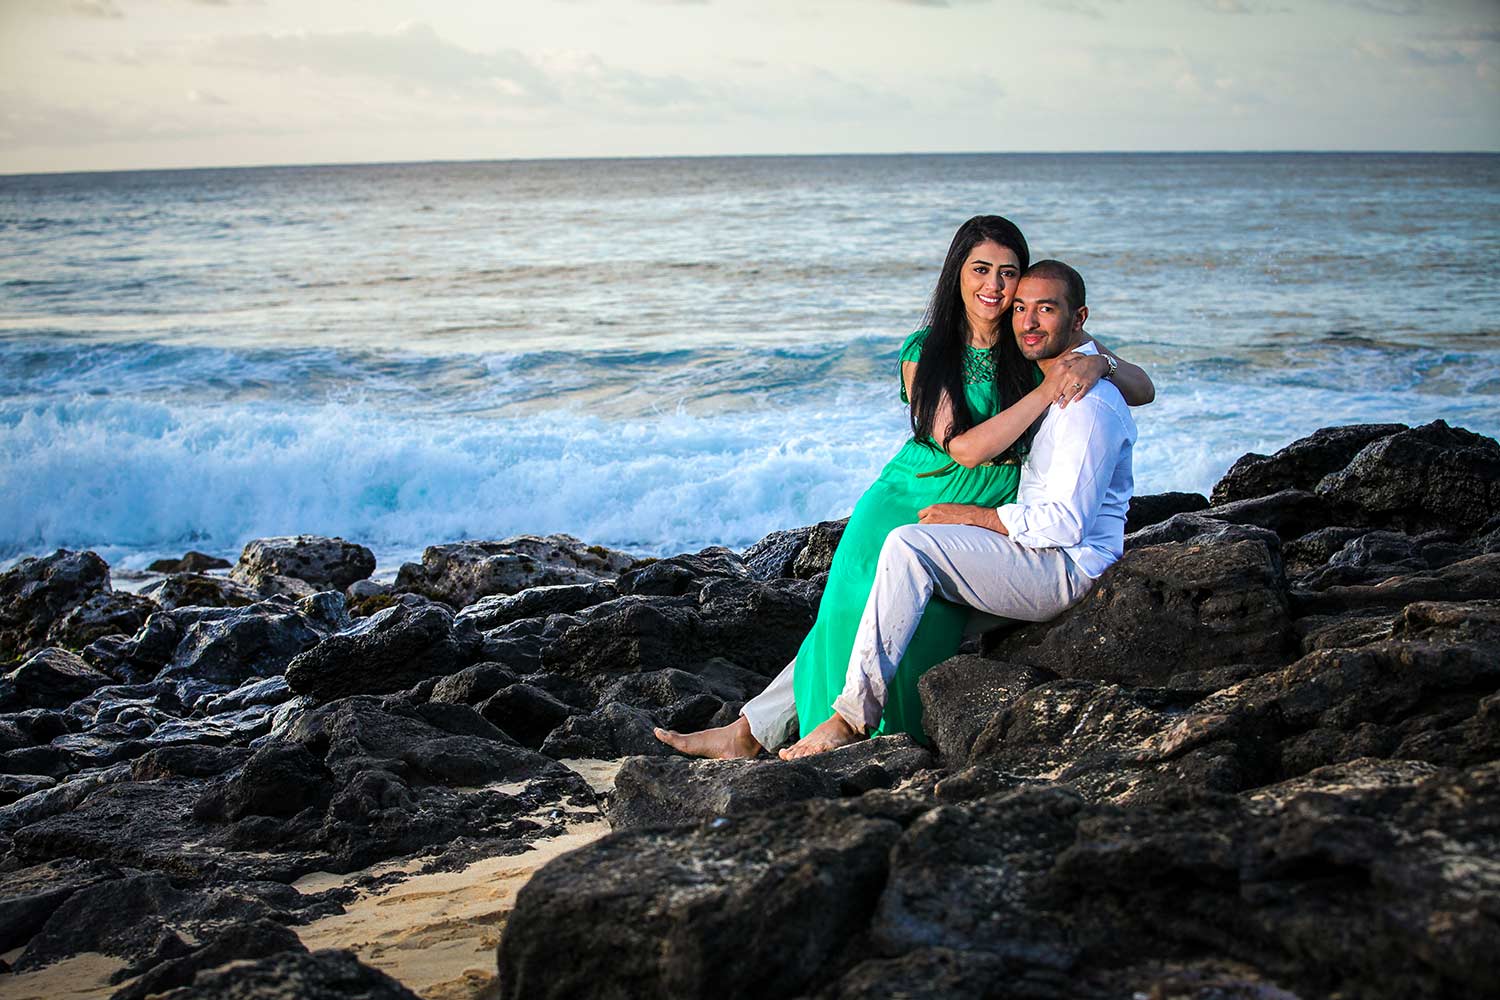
962 513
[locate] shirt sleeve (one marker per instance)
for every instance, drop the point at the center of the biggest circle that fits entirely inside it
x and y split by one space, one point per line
1082 464
911 350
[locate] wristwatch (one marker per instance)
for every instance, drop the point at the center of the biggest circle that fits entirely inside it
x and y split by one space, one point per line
1113 365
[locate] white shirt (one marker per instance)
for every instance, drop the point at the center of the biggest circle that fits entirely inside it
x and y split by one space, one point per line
1077 481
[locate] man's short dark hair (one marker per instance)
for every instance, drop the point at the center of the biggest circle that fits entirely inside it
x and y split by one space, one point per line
1059 271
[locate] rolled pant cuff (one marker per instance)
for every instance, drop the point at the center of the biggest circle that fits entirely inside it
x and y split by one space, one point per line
771 734
862 714
772 714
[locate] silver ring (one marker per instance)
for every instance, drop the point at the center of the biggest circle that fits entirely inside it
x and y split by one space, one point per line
1078 385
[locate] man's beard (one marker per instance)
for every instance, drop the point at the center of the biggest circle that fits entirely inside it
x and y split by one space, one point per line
1068 344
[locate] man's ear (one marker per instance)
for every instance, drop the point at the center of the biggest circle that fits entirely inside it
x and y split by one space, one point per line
1079 316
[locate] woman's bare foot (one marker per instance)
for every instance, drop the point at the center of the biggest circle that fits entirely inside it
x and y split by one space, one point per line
830 735
730 742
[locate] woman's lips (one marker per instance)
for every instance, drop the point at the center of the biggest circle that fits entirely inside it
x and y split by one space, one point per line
985 300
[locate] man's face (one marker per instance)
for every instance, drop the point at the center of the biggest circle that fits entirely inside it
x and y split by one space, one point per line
1045 326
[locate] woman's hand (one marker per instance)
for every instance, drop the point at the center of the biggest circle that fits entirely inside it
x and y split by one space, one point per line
1074 375
1132 381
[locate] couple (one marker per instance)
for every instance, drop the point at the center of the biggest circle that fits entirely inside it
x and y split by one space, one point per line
1009 498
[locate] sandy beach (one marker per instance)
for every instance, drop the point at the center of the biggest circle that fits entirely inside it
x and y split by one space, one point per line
436 932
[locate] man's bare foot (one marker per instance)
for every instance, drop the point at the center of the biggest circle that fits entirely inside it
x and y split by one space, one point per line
730 742
830 735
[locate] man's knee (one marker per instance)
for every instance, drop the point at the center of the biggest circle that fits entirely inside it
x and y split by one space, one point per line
905 543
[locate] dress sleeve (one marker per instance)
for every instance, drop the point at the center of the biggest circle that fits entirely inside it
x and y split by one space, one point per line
911 350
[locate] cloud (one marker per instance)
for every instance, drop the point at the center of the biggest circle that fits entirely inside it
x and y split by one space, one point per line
1427 54
1434 55
1115 81
1491 35
904 3
1080 7
94 8
410 78
413 56
1393 8
29 121
445 80
1242 7
585 80
108 9
125 57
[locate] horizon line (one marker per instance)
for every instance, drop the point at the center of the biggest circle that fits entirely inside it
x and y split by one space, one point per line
750 156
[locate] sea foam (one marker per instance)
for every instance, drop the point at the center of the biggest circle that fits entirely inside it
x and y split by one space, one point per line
137 479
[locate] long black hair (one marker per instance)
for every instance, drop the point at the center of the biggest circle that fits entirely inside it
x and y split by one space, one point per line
941 368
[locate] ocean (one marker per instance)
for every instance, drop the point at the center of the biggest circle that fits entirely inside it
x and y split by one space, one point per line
663 354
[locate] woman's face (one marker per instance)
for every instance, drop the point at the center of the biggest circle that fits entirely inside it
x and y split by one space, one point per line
988 285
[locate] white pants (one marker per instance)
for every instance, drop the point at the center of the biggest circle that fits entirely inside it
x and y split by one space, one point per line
961 563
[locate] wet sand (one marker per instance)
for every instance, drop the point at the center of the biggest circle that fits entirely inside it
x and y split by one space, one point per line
436 932
82 977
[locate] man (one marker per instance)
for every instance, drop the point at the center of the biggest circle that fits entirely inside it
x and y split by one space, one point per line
1027 560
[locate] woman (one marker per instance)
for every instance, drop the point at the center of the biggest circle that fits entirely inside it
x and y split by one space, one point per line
974 406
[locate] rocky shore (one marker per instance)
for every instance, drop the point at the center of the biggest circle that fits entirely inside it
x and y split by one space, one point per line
1260 760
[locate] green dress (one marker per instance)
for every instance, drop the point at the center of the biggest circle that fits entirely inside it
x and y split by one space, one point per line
892 500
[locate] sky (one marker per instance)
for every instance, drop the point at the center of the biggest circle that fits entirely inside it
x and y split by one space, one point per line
137 84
